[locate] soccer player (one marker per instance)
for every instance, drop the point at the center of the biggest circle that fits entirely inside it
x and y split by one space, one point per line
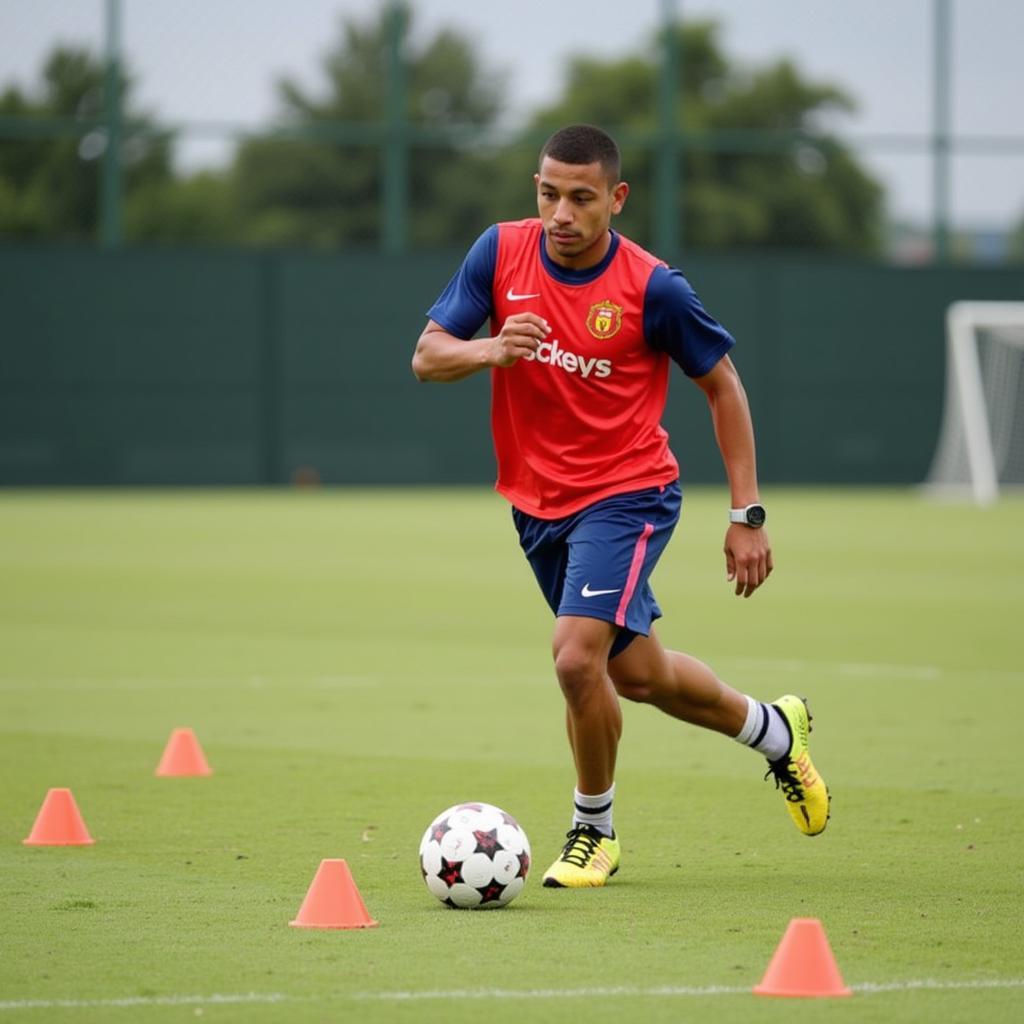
583 326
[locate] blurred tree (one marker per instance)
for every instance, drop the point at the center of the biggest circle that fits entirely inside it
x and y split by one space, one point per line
199 208
326 189
317 177
785 192
49 186
1015 247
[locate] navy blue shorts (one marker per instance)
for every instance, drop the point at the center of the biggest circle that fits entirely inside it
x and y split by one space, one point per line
597 562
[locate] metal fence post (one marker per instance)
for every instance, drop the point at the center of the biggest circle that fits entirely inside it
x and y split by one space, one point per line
110 172
941 129
396 165
667 207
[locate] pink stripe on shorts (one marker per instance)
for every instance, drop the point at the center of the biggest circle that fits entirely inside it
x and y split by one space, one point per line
639 552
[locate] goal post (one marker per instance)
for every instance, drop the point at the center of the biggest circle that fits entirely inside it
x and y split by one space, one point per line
981 441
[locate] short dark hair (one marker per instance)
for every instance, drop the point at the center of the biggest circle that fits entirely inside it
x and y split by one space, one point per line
585 144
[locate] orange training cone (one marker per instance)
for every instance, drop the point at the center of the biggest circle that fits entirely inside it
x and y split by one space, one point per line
803 964
59 822
333 901
183 755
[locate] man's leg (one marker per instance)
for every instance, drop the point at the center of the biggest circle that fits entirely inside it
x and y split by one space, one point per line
687 689
594 724
678 684
594 718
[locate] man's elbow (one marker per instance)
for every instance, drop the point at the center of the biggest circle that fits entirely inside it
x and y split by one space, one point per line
420 368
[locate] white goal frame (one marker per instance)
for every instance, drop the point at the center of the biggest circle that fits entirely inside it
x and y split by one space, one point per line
965 394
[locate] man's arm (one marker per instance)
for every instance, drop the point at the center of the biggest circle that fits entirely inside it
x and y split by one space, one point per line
441 356
748 555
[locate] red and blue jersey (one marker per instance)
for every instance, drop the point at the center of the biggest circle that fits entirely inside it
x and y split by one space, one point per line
580 419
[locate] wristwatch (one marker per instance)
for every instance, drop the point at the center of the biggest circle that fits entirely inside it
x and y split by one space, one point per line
752 515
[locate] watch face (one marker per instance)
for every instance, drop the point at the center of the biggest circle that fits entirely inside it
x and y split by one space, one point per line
756 515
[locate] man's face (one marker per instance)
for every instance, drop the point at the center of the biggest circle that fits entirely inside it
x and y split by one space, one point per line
576 203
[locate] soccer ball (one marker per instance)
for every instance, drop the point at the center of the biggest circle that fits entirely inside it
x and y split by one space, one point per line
475 856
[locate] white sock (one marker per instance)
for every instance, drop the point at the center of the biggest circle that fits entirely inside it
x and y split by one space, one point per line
594 810
765 730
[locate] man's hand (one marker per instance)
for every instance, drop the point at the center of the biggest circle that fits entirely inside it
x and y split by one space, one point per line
520 335
748 557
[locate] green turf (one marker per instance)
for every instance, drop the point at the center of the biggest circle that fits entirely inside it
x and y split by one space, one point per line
353 662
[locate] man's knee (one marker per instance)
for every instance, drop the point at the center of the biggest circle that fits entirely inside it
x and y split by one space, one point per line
579 669
580 652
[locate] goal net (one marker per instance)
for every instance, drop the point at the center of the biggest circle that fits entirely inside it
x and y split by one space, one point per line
981 441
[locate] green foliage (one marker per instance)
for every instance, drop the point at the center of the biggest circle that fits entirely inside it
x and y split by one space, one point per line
49 186
326 191
795 186
201 208
1016 246
317 177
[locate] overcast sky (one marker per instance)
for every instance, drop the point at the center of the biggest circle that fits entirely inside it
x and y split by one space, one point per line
219 59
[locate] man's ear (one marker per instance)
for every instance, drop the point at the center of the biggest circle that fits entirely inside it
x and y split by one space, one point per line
619 194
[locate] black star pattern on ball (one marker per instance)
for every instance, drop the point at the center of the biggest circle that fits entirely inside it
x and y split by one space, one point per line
486 842
491 892
524 865
439 830
451 872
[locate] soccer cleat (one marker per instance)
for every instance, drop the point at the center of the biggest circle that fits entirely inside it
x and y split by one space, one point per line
588 859
807 796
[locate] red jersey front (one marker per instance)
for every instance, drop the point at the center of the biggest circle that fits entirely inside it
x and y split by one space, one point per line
580 419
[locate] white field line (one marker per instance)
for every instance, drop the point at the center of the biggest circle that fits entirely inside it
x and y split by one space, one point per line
601 992
216 999
632 991
193 682
456 995
932 983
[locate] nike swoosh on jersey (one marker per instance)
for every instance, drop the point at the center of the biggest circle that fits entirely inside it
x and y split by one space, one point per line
514 297
587 592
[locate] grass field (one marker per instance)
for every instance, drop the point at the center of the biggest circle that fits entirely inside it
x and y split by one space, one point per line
355 661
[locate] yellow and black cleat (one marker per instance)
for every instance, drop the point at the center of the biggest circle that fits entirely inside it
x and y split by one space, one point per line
589 858
807 796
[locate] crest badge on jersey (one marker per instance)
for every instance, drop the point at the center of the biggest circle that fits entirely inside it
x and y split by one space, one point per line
604 319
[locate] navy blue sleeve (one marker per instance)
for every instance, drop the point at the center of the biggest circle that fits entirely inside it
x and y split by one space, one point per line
675 322
466 304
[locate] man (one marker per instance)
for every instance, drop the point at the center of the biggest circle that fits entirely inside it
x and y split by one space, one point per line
584 323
